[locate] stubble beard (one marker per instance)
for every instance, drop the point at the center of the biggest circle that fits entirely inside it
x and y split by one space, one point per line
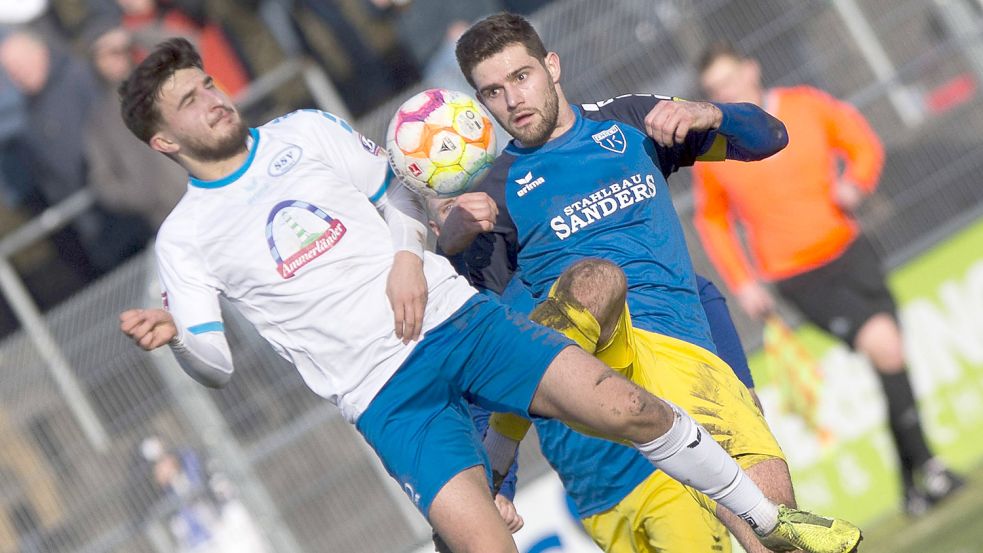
224 148
540 133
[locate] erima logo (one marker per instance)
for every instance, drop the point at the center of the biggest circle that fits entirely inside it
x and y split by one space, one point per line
285 160
611 139
527 183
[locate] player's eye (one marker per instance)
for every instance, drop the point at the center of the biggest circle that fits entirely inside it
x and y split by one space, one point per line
522 76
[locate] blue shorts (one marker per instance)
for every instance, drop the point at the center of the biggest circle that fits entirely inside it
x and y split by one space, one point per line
419 423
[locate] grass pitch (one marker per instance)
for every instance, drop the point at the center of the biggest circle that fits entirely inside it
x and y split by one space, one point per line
955 526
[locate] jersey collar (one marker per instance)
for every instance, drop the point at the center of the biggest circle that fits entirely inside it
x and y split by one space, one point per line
557 142
253 145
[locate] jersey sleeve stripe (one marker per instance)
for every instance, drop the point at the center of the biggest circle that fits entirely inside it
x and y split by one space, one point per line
383 187
213 326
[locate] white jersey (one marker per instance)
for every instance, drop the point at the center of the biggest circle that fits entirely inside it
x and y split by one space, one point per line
294 240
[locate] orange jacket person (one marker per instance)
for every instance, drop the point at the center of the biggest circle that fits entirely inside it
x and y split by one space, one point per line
797 210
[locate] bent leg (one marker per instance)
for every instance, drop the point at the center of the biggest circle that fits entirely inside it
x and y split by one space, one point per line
587 304
465 516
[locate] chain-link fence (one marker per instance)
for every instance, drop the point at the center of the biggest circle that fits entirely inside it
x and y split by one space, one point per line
265 465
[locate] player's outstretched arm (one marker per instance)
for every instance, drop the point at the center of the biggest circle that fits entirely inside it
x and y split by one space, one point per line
751 133
669 122
204 357
745 132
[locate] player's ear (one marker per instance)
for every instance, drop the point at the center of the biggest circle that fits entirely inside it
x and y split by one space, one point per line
163 143
552 63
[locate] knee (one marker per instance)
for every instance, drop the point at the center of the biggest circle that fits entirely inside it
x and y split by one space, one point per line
880 340
597 285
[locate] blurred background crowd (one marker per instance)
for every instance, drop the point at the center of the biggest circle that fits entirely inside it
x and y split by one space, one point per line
60 129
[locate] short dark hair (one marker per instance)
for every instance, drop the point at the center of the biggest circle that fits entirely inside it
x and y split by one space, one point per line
139 93
493 34
715 51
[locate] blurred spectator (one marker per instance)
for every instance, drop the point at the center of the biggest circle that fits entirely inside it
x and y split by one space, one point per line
153 21
356 45
60 92
13 122
126 176
69 18
203 513
260 52
422 25
182 481
798 210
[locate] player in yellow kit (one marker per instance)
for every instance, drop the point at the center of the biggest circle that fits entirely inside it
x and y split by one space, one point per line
587 304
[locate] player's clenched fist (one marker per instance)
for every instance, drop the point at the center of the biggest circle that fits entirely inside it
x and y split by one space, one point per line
670 121
473 213
149 328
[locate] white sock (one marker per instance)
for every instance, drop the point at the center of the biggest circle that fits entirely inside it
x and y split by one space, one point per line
690 455
501 451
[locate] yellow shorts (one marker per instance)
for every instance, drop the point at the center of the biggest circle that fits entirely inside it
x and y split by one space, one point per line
659 516
691 377
706 387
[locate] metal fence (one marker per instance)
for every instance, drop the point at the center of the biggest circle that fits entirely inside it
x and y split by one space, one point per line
264 465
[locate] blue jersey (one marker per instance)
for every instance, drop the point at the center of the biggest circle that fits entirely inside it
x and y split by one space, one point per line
600 190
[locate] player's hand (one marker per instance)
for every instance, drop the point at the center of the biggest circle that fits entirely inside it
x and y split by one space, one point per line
511 517
847 196
407 293
670 121
473 213
756 300
149 328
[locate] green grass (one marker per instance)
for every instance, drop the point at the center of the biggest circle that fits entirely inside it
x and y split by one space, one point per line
955 526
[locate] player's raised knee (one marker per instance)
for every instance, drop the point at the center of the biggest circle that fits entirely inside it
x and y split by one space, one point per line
596 284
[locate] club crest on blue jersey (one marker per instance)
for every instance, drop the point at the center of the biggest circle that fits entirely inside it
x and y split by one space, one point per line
298 232
611 139
285 160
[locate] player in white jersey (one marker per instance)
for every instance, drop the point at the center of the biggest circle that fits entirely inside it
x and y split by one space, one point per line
284 221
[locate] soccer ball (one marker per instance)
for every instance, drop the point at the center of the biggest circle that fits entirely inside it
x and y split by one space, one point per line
441 142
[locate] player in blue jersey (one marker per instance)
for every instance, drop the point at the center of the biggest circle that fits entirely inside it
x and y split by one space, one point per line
590 181
624 504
